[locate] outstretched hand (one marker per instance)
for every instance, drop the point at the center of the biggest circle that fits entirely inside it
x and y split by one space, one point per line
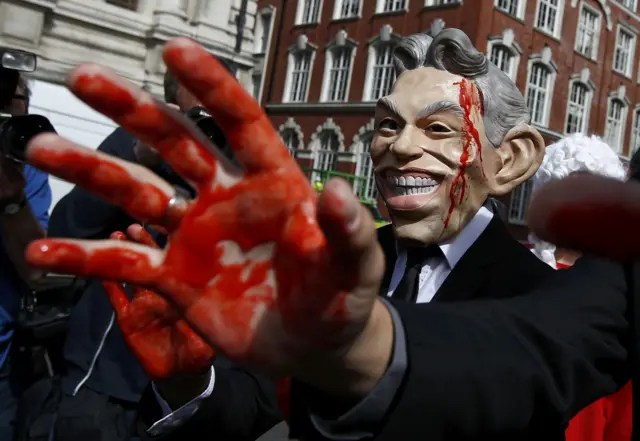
591 214
162 342
259 267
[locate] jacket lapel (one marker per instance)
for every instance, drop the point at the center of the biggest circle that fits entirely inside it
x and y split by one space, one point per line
466 278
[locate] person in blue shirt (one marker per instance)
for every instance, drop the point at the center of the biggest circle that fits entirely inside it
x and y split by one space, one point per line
25 198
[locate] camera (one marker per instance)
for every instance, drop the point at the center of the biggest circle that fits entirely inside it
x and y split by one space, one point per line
203 120
17 131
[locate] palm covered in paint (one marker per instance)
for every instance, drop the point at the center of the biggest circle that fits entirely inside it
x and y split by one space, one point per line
162 342
247 264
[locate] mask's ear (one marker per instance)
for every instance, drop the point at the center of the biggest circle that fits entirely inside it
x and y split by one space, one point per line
520 154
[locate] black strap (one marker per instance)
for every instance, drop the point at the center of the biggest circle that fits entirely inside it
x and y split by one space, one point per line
409 286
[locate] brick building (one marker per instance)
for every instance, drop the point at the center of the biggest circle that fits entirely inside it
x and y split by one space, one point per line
328 61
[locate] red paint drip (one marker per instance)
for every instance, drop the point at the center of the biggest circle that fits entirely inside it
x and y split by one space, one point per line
468 100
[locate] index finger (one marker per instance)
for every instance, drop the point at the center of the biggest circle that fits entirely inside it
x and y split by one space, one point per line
247 128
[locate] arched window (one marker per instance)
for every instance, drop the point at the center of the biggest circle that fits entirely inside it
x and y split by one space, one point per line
337 70
635 133
503 58
299 67
291 139
615 126
366 188
539 92
578 108
504 52
326 152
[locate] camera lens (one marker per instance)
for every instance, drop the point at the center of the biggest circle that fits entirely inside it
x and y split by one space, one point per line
17 131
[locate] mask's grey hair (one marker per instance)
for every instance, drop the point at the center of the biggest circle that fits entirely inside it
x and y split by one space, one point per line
452 51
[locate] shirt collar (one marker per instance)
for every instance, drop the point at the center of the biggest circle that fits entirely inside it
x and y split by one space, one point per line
454 248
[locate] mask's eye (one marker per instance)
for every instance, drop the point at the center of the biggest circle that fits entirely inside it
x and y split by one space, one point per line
438 128
388 125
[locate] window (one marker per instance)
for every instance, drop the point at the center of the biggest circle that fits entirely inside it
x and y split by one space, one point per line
298 78
336 87
326 153
347 9
630 4
549 16
588 32
623 57
577 108
365 189
308 11
511 7
502 57
131 5
614 128
381 74
291 140
441 2
264 30
520 203
635 133
391 5
539 92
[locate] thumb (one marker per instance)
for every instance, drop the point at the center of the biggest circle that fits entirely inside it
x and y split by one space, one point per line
351 234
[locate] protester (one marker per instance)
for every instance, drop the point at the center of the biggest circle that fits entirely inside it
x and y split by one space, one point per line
25 197
251 288
609 418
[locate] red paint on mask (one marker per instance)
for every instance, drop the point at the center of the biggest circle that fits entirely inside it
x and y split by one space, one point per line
469 99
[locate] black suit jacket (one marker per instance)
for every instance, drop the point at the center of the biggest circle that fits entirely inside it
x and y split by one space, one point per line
495 266
514 369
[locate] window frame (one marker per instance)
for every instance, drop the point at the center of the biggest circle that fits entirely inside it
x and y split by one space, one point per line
552 73
520 9
338 4
300 13
293 52
524 192
328 67
597 33
373 49
514 51
628 72
587 105
557 31
381 3
623 124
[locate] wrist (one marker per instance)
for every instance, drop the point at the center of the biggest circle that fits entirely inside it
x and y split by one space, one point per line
356 369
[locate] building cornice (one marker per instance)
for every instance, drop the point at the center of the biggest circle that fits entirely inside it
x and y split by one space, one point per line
366 108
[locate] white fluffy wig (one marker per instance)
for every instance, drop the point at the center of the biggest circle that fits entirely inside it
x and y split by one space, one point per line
574 153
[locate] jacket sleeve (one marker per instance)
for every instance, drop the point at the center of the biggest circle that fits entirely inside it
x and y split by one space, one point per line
82 215
241 407
513 366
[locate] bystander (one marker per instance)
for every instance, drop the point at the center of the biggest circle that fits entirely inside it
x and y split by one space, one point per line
25 197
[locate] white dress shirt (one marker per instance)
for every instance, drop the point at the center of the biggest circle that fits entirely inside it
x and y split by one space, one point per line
436 269
432 276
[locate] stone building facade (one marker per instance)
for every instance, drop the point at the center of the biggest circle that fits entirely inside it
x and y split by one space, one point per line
576 62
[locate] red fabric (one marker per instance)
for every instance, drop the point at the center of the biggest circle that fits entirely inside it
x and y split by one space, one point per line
608 419
562 265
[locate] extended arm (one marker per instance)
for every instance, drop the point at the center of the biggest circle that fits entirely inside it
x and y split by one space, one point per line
500 367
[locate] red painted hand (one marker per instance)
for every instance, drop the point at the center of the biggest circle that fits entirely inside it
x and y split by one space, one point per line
162 342
591 214
256 265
